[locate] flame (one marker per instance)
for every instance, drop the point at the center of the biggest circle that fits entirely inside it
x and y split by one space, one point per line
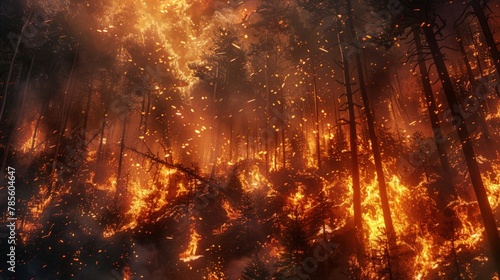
190 253
232 214
26 144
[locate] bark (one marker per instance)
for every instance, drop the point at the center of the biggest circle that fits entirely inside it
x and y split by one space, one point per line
467 148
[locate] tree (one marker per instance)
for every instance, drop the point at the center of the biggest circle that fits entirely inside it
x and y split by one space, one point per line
377 157
295 242
321 9
483 22
424 16
448 193
255 270
269 60
224 69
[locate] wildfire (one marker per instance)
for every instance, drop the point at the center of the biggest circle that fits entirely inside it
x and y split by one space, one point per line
144 169
33 142
190 253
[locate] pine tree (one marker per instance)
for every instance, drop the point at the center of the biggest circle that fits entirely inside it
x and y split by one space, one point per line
255 270
424 16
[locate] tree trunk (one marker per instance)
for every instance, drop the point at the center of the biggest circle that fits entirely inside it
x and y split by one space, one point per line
18 118
99 171
316 115
62 123
86 115
268 105
119 179
468 150
215 137
146 115
447 193
384 199
283 125
472 81
488 36
231 139
35 132
11 68
358 220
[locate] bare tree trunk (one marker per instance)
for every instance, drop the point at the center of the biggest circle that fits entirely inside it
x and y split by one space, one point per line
231 139
119 179
11 68
283 125
215 138
448 193
275 159
17 119
268 104
86 115
35 132
358 220
467 148
472 81
488 36
99 170
62 122
146 115
316 115
384 199
247 142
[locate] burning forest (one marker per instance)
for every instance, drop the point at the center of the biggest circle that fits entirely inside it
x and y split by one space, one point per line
253 139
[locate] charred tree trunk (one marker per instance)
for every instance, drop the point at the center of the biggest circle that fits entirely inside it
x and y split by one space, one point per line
18 117
391 234
62 123
283 125
447 193
146 114
467 148
119 179
86 114
231 139
268 104
247 142
99 171
215 138
472 81
316 115
37 125
11 68
358 220
488 36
